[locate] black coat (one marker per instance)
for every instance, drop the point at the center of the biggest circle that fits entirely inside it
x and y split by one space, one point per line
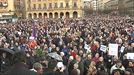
20 69
54 73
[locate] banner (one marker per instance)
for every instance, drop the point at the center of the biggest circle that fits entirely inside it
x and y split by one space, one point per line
113 49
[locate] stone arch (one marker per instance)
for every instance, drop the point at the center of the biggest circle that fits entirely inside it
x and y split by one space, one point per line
45 15
55 15
35 16
61 14
40 15
50 15
67 14
30 16
75 14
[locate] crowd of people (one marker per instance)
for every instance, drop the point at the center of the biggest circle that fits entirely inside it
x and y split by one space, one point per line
76 41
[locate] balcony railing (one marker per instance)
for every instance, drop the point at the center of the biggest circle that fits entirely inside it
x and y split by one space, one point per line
51 9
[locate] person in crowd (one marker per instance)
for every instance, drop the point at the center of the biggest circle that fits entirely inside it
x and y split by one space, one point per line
70 37
19 67
101 63
80 63
118 66
37 67
101 71
87 63
60 69
92 69
96 58
75 71
4 63
128 71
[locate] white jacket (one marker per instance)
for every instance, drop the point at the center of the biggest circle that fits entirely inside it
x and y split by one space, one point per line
114 67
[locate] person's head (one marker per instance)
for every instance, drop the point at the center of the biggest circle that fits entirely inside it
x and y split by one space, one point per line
62 54
38 67
57 48
115 58
118 63
116 72
81 52
92 63
19 57
4 55
78 58
71 58
130 64
101 59
97 55
128 71
89 57
60 65
76 66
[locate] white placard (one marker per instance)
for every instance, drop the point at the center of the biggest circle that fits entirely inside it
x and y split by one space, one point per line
122 49
113 49
31 38
103 48
130 55
19 33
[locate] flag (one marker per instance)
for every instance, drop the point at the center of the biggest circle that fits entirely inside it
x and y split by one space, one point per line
34 31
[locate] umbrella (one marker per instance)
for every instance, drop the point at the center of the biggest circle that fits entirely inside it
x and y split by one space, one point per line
55 56
6 50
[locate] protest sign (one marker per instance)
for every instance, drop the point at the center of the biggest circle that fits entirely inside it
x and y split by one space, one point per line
130 55
103 48
113 49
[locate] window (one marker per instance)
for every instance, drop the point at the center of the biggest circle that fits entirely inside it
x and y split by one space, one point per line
34 0
45 7
67 5
39 6
50 5
34 6
29 1
55 5
75 4
61 5
29 7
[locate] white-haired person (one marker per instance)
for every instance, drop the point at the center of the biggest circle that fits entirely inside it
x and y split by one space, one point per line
37 67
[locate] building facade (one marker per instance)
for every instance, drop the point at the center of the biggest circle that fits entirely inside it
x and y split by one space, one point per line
93 4
101 5
123 7
11 9
19 8
86 8
6 8
126 7
112 5
53 8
